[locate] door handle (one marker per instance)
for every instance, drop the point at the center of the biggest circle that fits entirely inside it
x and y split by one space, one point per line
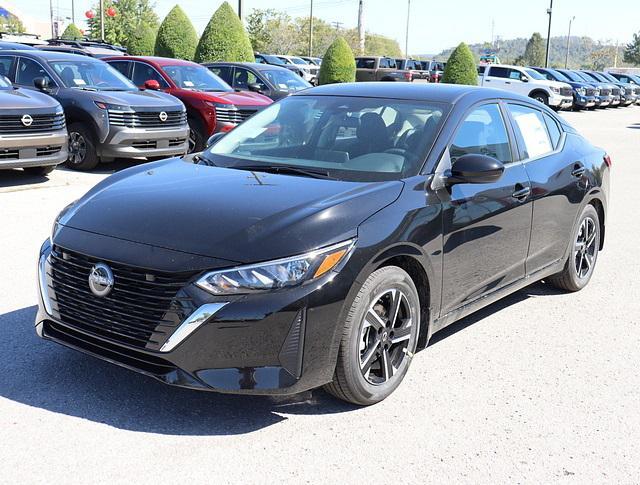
521 192
487 80
507 82
578 170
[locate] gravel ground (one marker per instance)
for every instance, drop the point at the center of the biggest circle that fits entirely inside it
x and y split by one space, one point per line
541 387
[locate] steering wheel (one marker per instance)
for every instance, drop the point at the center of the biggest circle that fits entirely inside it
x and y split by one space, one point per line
402 141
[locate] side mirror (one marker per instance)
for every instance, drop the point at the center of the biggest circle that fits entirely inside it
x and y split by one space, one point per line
255 87
475 169
524 79
215 138
152 84
42 83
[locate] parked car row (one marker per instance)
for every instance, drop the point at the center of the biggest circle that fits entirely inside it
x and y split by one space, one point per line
308 68
382 68
563 88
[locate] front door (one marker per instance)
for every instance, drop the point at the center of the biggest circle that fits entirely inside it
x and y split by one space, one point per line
486 227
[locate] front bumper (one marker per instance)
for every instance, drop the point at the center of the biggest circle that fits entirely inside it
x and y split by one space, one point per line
585 101
33 150
282 342
124 142
558 101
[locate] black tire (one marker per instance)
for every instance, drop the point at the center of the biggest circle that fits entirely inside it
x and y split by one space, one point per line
82 148
196 136
39 171
575 274
541 97
371 383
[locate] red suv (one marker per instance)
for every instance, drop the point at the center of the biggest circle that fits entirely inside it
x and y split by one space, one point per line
212 105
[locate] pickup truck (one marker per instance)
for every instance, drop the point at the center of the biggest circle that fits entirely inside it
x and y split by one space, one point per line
528 82
373 68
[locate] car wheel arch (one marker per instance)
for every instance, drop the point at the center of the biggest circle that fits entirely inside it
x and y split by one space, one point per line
536 91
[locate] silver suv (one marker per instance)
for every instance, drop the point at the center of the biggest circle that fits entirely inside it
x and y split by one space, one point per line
33 135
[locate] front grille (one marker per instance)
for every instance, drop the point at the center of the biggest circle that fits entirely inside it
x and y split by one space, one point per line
605 92
146 119
176 142
566 91
591 92
142 310
39 123
9 154
234 115
47 151
615 92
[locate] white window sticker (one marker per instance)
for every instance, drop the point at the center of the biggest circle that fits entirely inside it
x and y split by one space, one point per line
534 134
79 82
188 84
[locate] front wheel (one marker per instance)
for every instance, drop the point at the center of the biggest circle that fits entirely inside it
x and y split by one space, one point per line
541 97
196 136
583 254
82 148
379 338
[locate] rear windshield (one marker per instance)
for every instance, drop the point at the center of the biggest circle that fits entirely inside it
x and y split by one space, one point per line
86 73
347 138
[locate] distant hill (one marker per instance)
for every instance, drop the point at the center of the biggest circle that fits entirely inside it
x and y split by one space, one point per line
584 52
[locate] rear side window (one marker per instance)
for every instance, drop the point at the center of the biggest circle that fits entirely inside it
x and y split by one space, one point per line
482 132
144 72
532 131
553 129
224 72
499 71
365 63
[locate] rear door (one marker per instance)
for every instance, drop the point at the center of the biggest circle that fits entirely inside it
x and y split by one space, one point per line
486 227
496 77
558 182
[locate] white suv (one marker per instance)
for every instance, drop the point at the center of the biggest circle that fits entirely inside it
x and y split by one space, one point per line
528 82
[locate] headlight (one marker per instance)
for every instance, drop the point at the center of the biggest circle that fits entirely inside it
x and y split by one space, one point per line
277 274
581 91
220 105
555 90
597 92
56 222
115 107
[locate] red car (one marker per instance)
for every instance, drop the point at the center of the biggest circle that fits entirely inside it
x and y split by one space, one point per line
212 105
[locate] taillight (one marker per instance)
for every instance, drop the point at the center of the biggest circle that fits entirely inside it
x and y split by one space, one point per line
607 160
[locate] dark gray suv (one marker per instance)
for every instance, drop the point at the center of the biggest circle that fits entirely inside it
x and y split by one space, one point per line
107 116
33 135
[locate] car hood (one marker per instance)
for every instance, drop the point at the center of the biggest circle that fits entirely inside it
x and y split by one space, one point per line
242 98
27 101
555 84
138 99
229 214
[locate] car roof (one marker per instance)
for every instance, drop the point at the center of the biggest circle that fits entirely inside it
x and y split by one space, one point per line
15 46
443 93
54 56
161 61
253 65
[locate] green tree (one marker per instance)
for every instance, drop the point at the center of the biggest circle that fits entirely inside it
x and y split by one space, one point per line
72 33
142 41
461 67
338 64
224 38
632 50
11 25
534 52
131 16
176 37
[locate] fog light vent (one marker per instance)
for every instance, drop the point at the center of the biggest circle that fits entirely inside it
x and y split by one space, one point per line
292 349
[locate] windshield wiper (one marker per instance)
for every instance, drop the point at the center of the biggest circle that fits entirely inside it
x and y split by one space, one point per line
287 170
202 160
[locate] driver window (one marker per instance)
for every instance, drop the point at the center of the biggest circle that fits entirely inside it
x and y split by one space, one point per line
482 132
244 77
515 74
28 70
144 72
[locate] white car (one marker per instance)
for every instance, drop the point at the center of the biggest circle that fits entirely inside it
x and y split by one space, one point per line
309 71
528 82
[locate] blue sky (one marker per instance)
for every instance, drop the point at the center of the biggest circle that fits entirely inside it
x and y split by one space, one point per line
434 25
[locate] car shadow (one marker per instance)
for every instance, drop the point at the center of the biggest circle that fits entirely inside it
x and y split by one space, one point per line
45 375
15 177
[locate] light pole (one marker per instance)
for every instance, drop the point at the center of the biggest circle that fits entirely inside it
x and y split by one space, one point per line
406 41
546 56
101 20
311 29
566 58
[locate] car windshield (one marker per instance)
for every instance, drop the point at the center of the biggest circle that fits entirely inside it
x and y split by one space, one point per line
572 75
285 80
86 73
609 77
583 77
345 138
558 75
298 60
589 76
273 60
535 74
195 77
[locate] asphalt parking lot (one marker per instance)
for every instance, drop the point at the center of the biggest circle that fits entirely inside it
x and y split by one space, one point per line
541 387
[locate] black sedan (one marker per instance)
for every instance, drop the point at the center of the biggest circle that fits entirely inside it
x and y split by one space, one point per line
323 241
272 81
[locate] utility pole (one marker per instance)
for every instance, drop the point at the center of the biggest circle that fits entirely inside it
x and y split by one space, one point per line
615 57
311 29
361 35
493 27
566 58
53 34
240 9
406 40
546 56
337 25
73 12
101 20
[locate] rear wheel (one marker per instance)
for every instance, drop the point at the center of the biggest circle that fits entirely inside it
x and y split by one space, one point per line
82 148
583 255
39 171
379 338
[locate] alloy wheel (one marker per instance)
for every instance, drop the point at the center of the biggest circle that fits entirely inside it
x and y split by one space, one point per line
384 336
77 148
585 248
